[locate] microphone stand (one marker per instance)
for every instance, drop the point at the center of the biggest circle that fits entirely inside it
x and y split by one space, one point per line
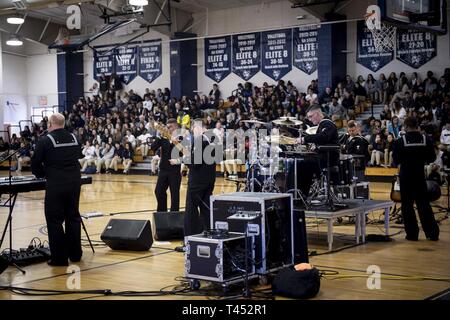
10 203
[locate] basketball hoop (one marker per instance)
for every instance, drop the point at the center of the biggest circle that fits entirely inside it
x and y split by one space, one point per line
383 34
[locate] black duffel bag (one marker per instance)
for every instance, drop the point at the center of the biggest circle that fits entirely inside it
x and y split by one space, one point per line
296 284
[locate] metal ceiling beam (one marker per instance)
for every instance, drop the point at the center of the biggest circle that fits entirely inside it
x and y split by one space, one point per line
302 4
44 5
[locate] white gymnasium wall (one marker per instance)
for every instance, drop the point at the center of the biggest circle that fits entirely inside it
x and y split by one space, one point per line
138 84
264 16
14 92
42 79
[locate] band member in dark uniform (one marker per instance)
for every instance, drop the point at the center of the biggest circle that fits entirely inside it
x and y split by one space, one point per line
327 134
353 143
202 176
56 159
169 175
412 151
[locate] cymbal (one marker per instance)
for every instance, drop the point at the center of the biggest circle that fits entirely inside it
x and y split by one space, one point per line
288 122
255 122
281 140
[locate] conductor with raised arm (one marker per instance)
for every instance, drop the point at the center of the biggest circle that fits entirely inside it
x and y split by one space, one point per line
56 159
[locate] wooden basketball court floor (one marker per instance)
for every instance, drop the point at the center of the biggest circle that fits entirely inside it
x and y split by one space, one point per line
401 263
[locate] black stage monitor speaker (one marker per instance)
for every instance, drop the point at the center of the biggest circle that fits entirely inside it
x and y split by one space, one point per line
3 264
123 234
169 225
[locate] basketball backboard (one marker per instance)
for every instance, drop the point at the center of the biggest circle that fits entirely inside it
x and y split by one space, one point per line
428 15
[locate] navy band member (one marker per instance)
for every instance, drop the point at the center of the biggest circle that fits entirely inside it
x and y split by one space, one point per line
412 151
169 175
353 143
56 159
327 134
202 177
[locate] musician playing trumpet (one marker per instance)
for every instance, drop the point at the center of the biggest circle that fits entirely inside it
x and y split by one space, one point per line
169 176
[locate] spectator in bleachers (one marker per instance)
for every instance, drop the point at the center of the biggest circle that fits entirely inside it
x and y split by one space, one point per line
336 111
378 148
24 157
388 161
371 88
106 154
88 153
116 160
127 157
445 134
398 111
326 96
430 83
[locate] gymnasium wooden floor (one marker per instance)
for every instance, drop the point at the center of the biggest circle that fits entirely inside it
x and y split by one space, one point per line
158 268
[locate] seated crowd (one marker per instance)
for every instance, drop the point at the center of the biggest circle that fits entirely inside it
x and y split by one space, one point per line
114 125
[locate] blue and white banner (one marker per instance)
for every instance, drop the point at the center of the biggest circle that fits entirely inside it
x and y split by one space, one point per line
306 48
367 55
276 53
247 55
415 48
126 63
218 58
103 63
150 61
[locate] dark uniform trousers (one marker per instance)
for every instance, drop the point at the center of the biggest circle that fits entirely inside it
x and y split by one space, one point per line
416 192
61 205
196 220
168 179
201 182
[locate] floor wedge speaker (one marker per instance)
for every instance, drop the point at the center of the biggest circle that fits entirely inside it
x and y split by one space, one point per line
124 234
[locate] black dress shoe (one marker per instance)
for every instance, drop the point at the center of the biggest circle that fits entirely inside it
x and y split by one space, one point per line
56 263
412 238
433 238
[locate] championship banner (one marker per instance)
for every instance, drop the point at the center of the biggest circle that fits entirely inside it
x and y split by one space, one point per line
126 63
150 61
366 54
305 48
247 55
276 53
103 63
218 58
415 48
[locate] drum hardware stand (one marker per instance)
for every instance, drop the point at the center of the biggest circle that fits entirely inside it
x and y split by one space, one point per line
297 193
250 186
331 200
269 184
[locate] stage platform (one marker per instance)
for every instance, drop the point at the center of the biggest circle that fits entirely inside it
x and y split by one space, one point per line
359 209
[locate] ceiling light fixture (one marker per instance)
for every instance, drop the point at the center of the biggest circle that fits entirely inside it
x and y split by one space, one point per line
138 3
15 20
14 41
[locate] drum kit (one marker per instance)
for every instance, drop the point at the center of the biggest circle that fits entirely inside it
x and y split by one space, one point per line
275 168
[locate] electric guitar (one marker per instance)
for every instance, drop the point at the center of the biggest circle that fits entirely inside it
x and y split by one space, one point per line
395 190
165 134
